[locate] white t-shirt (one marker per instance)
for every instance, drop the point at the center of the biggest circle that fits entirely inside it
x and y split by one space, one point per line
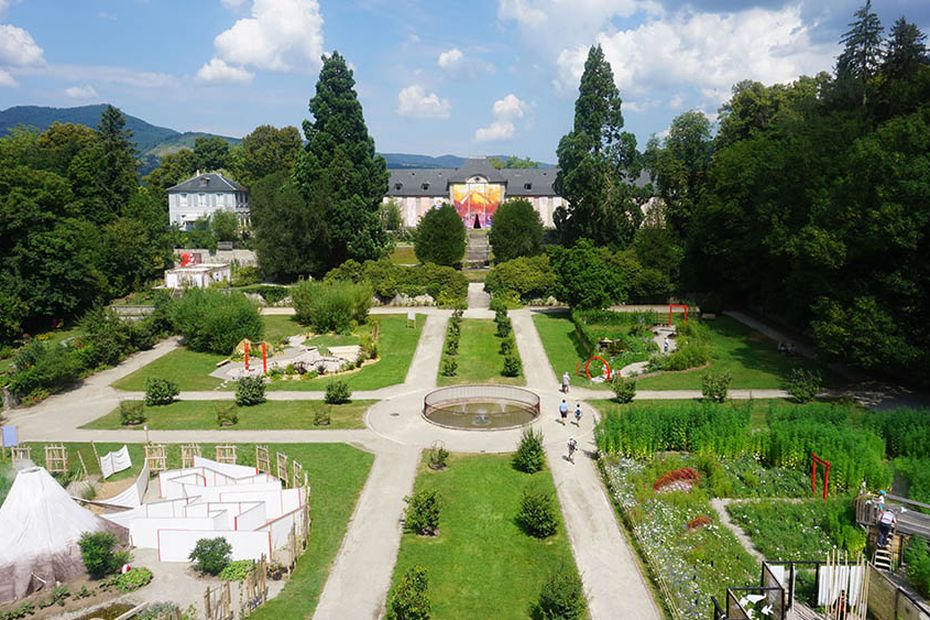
887 517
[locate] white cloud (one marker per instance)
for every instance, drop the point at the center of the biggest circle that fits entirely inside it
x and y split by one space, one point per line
708 51
281 35
107 75
6 80
457 64
415 102
232 4
18 49
505 111
82 92
218 71
450 58
3 6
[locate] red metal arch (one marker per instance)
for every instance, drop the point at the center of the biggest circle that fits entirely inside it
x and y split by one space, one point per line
671 307
591 359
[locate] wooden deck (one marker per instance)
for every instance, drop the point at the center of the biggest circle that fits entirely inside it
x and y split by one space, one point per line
911 522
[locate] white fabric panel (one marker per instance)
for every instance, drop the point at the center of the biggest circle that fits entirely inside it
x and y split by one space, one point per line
176 545
280 528
272 500
143 531
250 519
836 579
236 471
132 497
112 462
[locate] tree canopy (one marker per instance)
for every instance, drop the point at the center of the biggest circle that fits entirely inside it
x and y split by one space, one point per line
440 237
517 231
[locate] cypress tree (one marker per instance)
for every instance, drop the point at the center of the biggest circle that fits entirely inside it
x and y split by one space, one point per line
116 163
339 171
596 159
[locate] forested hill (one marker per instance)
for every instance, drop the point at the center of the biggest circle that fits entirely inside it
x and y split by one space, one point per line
149 139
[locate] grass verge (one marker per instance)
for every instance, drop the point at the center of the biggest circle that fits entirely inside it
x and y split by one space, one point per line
482 565
270 415
479 359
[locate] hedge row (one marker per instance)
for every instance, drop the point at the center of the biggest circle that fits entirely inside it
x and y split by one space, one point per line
387 280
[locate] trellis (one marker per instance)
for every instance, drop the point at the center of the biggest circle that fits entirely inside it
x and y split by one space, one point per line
188 453
156 457
281 470
21 453
298 473
253 592
217 603
56 459
262 459
226 454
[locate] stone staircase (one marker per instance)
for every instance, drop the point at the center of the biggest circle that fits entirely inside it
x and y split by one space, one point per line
477 249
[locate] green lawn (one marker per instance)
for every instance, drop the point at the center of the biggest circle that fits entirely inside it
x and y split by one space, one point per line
191 370
337 473
479 356
751 359
403 254
482 565
278 327
476 275
272 414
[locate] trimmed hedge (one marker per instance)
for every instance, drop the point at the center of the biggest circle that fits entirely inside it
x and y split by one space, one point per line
215 322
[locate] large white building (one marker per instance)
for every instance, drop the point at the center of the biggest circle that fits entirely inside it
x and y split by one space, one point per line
204 194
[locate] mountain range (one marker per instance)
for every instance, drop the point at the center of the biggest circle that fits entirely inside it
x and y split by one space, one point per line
153 142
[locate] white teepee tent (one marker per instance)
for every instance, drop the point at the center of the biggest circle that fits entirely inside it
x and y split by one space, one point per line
39 528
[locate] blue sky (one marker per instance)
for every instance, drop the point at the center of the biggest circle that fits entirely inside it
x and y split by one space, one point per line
469 78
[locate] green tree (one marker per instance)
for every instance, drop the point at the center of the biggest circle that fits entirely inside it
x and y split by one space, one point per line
266 150
440 237
211 152
596 159
339 169
585 278
862 51
116 163
225 225
409 599
517 231
290 235
172 169
906 50
513 161
680 167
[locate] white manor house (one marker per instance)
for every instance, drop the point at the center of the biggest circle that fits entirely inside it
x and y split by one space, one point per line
204 194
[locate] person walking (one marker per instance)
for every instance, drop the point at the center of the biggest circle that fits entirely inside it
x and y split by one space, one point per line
566 381
665 345
563 411
578 415
572 446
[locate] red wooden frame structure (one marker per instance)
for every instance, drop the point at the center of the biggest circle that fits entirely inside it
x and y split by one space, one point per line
671 307
264 358
826 474
246 354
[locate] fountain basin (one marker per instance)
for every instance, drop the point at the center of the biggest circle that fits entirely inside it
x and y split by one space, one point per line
481 407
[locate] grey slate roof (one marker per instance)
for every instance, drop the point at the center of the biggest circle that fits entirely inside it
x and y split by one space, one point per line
207 183
477 167
419 182
530 181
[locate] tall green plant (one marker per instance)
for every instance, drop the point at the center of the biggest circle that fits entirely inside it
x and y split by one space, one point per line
333 306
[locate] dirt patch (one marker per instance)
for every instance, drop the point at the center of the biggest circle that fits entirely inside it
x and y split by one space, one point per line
92 597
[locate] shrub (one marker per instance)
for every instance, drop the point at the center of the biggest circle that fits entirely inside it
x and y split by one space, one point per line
449 367
105 340
498 306
97 552
42 367
506 347
530 456
215 322
917 556
422 513
715 386
526 277
452 344
211 555
160 392
131 412
322 417
584 278
434 280
236 571
537 514
337 392
134 579
517 231
226 413
624 388
410 598
438 456
440 237
504 328
804 385
562 598
331 306
512 365
250 391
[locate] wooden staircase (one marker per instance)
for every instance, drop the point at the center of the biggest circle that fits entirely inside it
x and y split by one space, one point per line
882 559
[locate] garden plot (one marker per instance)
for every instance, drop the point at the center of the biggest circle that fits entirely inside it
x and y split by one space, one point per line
250 509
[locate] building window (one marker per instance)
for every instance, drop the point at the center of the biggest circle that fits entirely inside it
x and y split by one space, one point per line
425 186
397 186
527 186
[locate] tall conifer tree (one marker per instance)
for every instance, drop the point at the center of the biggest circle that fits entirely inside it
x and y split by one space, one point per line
339 171
116 162
596 159
862 52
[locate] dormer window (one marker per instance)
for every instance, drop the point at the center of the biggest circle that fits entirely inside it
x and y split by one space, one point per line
204 181
424 186
527 186
397 186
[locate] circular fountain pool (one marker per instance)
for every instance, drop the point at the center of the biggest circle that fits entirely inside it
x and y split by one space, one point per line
481 407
